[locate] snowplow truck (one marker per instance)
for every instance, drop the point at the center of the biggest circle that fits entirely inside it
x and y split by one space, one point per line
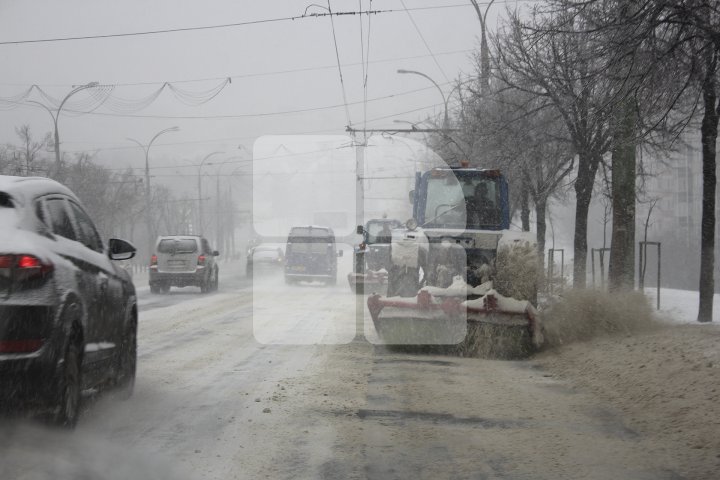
458 276
371 258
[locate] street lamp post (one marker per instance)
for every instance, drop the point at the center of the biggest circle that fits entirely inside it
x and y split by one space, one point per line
146 149
56 116
200 225
445 102
220 240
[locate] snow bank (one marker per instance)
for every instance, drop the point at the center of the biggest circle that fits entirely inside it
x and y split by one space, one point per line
680 306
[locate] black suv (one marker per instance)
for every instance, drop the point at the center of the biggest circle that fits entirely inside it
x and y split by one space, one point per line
181 261
311 255
68 314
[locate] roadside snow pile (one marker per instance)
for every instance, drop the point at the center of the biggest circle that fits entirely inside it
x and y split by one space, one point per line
665 384
581 315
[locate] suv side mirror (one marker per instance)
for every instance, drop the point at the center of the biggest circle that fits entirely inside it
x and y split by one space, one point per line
215 253
360 230
120 249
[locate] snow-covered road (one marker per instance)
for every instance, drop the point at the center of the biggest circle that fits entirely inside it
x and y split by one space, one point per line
263 380
210 372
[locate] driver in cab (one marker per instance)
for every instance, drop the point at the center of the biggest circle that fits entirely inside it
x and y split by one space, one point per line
481 207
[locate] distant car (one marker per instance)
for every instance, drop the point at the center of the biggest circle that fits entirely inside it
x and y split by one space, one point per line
311 254
68 313
181 261
264 256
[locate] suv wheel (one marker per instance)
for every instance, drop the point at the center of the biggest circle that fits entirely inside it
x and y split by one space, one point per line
216 281
70 386
127 363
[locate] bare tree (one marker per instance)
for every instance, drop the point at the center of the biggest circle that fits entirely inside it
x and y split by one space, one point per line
29 149
542 58
684 35
529 136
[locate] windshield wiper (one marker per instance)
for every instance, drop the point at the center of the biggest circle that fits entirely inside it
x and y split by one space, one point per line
462 204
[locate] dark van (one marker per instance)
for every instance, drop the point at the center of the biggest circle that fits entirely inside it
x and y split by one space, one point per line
311 255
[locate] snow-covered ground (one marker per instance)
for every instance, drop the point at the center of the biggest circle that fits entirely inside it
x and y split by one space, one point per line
680 306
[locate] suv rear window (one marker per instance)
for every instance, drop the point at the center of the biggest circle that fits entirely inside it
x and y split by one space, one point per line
173 245
306 232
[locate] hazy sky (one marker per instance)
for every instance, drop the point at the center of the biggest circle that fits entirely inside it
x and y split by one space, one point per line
252 55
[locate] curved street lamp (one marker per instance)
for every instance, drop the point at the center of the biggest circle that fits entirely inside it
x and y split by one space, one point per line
56 116
200 217
146 149
445 101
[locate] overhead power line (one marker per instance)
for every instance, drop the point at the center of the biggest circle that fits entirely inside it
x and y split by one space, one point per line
192 29
257 74
422 37
241 24
102 95
327 131
337 56
229 116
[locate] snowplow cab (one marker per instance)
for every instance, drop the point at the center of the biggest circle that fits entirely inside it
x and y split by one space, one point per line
461 198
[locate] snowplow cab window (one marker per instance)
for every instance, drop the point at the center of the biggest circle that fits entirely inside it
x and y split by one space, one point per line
445 202
469 202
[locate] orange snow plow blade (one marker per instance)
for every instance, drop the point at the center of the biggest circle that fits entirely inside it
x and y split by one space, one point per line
489 326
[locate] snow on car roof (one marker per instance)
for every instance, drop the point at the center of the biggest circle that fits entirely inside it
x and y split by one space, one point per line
31 187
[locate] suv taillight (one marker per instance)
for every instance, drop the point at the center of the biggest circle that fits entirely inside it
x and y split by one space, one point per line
153 261
201 260
20 346
21 268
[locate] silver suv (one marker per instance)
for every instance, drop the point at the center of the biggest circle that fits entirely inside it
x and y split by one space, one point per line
181 261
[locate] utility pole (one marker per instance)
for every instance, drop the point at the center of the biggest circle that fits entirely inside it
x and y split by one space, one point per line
359 220
200 219
218 236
